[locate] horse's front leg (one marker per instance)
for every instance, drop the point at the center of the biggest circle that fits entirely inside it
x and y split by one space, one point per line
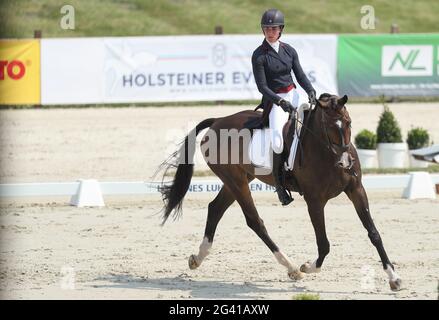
317 214
358 196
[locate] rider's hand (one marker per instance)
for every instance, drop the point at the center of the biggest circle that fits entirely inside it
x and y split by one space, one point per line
312 97
286 105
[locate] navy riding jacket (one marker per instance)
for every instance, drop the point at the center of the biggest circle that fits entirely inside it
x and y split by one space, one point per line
272 71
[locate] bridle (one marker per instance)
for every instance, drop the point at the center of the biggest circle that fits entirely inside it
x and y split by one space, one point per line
333 148
327 143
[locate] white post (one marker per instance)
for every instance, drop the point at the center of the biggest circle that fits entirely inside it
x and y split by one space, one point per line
420 186
89 194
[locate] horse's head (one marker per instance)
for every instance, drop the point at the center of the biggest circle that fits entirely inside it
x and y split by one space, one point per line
336 126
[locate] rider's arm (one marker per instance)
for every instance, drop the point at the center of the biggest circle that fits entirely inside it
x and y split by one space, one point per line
261 80
300 75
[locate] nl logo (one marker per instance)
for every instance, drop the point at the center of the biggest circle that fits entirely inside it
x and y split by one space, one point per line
408 61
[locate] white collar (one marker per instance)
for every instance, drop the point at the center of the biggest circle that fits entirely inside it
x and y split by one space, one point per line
275 45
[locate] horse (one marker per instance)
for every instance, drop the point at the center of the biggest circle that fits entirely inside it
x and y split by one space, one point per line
327 167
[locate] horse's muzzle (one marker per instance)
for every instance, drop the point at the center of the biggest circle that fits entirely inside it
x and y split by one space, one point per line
346 161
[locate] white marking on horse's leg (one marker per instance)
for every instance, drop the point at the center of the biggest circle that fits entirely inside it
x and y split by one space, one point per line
391 273
196 260
309 267
293 271
394 279
204 250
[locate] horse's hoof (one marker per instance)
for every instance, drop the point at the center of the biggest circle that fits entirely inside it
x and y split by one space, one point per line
395 285
193 264
305 267
309 268
296 275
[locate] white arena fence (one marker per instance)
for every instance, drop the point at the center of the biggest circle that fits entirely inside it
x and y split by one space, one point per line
91 192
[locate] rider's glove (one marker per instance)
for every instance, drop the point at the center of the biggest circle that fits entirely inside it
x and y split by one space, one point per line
312 97
286 105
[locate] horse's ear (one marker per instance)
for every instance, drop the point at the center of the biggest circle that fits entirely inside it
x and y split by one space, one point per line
342 101
324 103
324 96
324 100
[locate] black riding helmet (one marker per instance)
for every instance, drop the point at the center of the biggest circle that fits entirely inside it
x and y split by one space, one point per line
272 18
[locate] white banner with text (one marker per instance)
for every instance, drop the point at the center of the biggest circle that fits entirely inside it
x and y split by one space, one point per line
170 68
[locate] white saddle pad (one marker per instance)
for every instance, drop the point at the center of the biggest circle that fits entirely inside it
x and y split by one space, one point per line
260 149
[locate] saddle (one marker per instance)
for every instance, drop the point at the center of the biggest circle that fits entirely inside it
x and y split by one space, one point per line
259 122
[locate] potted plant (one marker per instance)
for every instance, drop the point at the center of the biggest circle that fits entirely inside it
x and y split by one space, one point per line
417 138
392 151
366 143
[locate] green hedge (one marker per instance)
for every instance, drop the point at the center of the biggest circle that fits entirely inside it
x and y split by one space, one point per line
417 138
388 130
366 139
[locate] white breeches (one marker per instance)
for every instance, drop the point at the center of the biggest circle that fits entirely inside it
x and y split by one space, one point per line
277 119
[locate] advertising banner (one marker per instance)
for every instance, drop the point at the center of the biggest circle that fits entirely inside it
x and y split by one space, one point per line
390 65
318 57
191 68
19 72
170 68
72 71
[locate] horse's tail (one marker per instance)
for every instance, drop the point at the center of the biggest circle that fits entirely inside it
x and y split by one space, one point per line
182 159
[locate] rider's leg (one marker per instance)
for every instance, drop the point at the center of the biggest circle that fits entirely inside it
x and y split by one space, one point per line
278 163
277 119
300 105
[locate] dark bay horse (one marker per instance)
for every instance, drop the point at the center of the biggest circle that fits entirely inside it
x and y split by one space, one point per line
329 167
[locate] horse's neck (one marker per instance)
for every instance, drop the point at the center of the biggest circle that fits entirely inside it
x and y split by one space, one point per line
317 137
315 124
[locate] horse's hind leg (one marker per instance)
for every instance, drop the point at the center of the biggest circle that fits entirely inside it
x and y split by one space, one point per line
358 196
238 185
216 211
317 215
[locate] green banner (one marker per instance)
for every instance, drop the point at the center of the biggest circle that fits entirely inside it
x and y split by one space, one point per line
388 64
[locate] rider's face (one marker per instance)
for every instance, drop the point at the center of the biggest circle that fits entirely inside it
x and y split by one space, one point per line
271 33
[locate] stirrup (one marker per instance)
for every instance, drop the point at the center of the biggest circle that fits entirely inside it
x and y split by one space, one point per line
290 198
286 198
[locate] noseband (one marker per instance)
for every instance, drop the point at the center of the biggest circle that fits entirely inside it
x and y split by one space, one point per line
335 148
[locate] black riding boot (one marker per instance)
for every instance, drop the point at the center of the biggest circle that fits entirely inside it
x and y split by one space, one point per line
284 197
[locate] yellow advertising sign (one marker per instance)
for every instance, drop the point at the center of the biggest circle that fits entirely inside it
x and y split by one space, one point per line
20 72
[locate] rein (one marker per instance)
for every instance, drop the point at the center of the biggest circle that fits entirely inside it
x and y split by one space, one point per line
305 125
332 145
327 144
